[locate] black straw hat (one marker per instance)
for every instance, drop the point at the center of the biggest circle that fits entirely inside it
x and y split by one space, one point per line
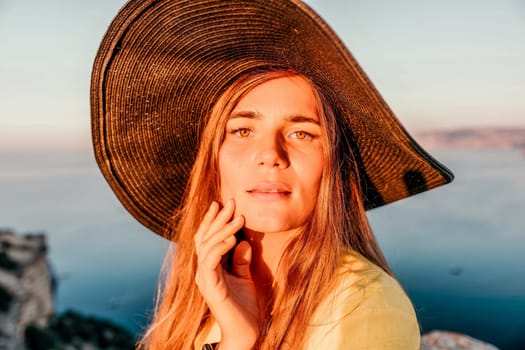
163 63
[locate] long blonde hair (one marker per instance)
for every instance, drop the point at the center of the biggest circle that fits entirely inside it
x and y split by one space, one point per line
337 223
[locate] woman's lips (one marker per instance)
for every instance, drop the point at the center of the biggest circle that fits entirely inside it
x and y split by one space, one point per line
269 191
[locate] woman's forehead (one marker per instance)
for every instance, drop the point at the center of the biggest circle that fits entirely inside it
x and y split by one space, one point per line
292 97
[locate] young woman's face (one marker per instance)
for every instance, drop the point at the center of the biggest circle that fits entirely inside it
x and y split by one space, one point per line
271 159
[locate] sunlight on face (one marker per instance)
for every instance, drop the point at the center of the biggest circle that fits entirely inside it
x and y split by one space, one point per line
271 159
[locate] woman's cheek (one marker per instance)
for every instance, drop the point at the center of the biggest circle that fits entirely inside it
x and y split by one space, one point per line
231 170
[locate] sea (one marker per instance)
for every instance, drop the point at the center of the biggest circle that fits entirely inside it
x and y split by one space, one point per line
458 250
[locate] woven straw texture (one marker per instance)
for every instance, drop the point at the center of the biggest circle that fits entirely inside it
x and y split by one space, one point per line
163 63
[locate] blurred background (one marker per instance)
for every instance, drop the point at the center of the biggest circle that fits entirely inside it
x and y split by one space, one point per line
452 71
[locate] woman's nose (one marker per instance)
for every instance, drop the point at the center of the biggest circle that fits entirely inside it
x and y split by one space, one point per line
271 152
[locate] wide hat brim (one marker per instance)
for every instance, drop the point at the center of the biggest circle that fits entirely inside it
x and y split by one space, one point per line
163 63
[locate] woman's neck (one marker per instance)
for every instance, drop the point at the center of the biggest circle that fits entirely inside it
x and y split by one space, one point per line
267 251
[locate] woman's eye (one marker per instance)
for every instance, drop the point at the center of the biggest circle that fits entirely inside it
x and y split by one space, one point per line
242 132
302 135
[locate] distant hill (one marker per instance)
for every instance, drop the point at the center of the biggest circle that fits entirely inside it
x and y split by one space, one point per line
473 138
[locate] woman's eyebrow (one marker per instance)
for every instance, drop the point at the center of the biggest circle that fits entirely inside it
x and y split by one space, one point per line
302 119
289 119
245 114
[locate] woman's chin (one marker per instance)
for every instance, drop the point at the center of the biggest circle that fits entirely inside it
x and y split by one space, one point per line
267 225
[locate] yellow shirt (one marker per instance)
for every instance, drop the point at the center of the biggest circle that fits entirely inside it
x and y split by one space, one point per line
368 309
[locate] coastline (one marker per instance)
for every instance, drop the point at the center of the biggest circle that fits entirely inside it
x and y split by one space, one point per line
29 320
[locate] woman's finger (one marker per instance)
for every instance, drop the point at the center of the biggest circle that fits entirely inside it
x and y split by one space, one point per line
222 218
225 233
212 258
209 273
206 222
227 230
242 257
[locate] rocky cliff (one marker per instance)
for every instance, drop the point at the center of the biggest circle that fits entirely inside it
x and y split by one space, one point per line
27 320
26 286
443 340
473 138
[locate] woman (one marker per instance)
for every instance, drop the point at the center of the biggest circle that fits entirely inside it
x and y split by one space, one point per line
274 250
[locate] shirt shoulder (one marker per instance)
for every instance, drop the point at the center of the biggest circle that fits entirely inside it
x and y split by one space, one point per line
368 309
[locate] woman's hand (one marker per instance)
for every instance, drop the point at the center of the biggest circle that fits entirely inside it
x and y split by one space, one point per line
231 297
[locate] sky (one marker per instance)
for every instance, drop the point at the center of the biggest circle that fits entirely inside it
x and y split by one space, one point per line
439 64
